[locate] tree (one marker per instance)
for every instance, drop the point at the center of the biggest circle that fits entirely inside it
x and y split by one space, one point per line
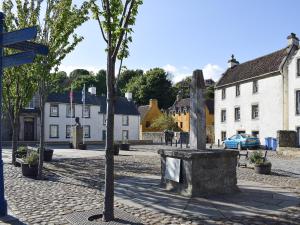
183 87
60 82
78 82
19 83
125 77
155 83
101 83
165 122
78 73
116 19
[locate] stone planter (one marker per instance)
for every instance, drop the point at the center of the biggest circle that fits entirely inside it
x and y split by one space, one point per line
29 171
116 149
263 168
48 153
125 147
82 146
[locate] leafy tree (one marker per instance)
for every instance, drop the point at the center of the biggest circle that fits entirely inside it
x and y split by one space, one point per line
210 92
78 73
116 19
125 77
155 83
101 83
165 122
89 81
183 87
60 82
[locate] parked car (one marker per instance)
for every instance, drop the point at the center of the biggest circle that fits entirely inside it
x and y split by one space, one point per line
242 141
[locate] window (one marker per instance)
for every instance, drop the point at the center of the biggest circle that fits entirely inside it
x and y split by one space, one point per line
255 133
241 132
223 93
54 131
223 115
298 102
237 114
54 110
68 131
223 135
87 131
148 124
237 90
125 120
104 119
298 67
255 112
86 111
125 135
69 110
255 87
181 124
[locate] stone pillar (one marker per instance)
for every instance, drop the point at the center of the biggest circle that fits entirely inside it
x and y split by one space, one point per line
197 112
77 132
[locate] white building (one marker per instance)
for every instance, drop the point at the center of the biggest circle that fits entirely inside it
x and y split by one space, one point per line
260 96
58 119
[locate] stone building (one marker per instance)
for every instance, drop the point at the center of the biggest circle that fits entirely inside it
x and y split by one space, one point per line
260 96
180 111
148 114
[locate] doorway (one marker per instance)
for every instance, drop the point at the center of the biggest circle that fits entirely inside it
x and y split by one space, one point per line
28 129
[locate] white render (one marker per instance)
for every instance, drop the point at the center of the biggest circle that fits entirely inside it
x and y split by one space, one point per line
96 123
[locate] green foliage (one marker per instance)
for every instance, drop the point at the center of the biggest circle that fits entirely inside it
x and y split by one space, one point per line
100 83
32 159
125 78
155 83
21 152
75 74
257 158
165 122
59 82
183 87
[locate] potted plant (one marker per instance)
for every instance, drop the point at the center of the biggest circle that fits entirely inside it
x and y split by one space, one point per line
116 149
21 152
82 146
30 165
125 145
48 154
261 165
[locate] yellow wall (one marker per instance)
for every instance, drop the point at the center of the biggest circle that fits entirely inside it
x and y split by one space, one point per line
185 119
152 114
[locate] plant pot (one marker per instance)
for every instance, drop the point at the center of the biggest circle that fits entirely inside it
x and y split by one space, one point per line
70 145
48 153
263 168
29 171
116 149
82 146
125 147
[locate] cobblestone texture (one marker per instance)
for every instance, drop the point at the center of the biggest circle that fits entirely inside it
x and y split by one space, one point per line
74 185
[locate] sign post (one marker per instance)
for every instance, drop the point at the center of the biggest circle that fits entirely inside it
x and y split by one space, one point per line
15 40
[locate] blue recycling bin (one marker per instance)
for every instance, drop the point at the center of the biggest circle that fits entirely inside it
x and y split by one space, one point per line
273 144
268 141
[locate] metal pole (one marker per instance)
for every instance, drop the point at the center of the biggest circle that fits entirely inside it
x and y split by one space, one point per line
3 204
83 120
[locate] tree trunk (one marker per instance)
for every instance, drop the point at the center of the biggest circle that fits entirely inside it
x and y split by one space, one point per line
15 138
108 209
42 136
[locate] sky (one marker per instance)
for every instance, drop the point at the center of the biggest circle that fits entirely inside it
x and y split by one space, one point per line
181 36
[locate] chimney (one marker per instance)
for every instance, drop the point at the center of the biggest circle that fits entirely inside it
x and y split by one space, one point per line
128 95
153 103
232 62
293 40
178 96
92 90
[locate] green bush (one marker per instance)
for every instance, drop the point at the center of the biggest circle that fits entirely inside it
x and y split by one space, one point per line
257 158
32 159
21 152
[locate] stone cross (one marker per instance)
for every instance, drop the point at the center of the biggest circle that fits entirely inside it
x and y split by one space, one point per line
197 112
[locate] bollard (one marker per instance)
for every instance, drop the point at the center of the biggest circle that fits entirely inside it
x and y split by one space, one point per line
176 143
161 142
180 142
171 142
218 142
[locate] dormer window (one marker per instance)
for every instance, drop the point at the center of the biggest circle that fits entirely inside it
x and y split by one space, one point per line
223 93
237 90
298 67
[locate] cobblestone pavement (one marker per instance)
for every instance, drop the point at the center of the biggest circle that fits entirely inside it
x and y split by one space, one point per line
73 184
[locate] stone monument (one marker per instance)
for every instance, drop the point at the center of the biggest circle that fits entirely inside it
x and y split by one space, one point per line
77 132
197 171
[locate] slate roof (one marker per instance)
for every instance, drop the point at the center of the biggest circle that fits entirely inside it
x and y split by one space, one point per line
143 109
253 68
185 102
123 106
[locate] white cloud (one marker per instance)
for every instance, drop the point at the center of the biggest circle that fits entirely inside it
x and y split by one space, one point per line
212 71
170 68
70 68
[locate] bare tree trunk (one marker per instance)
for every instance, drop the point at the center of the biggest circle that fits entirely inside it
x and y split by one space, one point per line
108 209
42 136
15 138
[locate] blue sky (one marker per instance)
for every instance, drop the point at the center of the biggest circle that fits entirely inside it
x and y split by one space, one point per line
182 36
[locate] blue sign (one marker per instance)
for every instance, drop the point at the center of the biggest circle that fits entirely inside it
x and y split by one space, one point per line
19 36
18 59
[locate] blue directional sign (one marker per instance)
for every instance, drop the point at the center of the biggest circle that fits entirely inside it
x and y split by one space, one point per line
18 40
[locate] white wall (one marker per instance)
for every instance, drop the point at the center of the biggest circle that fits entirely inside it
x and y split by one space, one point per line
95 122
270 100
294 84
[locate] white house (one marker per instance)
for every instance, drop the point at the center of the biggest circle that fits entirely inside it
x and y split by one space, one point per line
58 119
260 96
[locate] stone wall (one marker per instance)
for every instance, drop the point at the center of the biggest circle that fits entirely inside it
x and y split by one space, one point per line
287 138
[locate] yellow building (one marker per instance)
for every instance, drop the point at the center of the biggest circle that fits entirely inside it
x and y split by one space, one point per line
148 114
181 113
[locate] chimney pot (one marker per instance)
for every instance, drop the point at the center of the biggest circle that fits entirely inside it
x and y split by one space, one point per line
153 103
293 40
232 62
92 90
128 95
